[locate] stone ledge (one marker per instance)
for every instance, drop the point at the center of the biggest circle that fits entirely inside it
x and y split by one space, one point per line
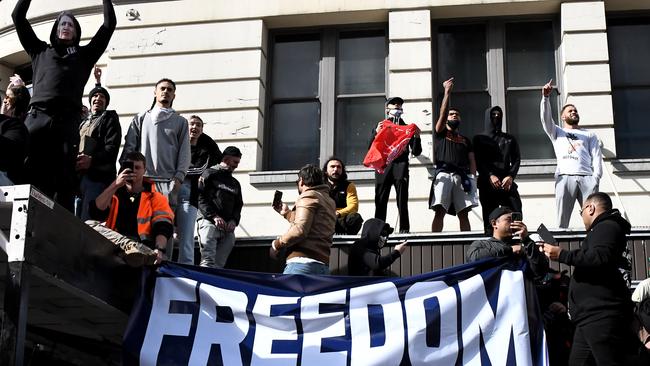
529 169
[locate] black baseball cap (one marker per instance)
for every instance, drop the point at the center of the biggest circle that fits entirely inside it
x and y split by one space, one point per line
394 100
499 211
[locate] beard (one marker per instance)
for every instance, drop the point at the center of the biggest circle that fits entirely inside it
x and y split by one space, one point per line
572 121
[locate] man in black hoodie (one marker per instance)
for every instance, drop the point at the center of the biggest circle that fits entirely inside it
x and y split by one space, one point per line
397 173
365 257
599 300
220 204
497 161
61 70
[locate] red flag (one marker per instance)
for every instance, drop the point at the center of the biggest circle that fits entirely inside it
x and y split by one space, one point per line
388 144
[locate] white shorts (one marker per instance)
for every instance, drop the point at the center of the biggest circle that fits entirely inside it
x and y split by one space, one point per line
448 189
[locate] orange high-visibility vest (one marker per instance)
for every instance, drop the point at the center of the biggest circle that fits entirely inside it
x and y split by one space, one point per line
153 208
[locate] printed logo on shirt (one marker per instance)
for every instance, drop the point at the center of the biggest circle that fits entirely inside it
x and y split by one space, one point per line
455 138
226 188
71 50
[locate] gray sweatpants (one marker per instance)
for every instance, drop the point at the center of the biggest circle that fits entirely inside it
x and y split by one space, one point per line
568 188
215 244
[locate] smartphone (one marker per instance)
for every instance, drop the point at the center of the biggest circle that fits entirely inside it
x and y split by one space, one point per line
127 165
277 199
516 216
546 235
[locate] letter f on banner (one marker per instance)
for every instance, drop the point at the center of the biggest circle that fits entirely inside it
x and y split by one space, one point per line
161 322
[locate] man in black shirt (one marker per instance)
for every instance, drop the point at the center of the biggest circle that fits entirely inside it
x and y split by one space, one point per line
497 159
397 173
453 189
61 70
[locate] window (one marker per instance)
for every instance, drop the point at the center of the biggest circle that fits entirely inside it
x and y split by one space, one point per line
327 91
499 63
629 58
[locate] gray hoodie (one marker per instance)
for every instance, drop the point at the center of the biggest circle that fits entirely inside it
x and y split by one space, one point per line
165 144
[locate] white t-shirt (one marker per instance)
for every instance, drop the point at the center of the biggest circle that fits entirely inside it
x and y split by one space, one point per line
577 150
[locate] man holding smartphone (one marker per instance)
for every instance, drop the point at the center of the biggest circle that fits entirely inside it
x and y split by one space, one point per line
502 244
137 218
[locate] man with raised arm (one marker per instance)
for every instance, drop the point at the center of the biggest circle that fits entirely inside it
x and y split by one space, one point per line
61 70
579 159
453 189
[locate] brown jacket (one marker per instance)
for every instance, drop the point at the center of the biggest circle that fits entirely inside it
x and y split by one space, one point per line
312 225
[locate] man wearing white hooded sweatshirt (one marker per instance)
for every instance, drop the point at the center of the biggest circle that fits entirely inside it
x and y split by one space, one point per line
162 136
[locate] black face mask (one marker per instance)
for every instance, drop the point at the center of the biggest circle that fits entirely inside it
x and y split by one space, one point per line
453 124
496 123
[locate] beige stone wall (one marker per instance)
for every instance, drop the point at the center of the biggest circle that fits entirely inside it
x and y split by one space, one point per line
217 53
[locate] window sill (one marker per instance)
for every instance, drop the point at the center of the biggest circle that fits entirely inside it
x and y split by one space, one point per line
628 167
529 169
357 173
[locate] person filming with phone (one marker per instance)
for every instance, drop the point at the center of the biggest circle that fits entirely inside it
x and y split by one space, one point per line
137 217
506 225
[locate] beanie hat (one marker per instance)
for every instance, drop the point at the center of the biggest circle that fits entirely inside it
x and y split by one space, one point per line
232 151
99 89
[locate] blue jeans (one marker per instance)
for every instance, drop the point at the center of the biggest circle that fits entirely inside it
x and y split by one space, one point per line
185 222
312 268
88 191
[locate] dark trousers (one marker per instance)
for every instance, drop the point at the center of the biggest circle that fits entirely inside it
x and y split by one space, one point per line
53 147
349 224
492 198
609 341
396 175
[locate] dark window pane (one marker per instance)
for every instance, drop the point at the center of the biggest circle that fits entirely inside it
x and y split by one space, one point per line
355 119
462 54
472 108
629 59
295 69
530 53
295 135
524 123
631 109
361 64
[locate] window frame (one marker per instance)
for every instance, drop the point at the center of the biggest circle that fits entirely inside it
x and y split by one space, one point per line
328 96
625 165
497 89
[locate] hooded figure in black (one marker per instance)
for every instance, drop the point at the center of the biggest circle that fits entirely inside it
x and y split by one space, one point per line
61 70
497 161
365 258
